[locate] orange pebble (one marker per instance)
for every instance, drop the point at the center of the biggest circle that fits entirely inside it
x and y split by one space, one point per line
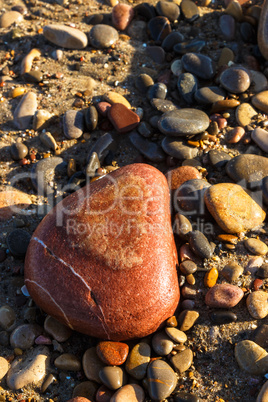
211 278
236 135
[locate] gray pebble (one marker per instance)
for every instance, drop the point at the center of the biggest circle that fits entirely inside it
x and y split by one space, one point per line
48 140
149 149
199 65
179 150
183 122
7 317
73 124
162 344
23 336
18 151
209 95
103 36
158 91
25 111
200 244
235 80
187 86
64 36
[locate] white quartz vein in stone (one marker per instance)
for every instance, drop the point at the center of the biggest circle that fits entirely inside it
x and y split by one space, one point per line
54 301
102 320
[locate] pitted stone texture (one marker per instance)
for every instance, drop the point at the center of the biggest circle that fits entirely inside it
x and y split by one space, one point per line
96 239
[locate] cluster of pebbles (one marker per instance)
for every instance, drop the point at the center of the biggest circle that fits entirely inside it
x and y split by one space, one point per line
202 121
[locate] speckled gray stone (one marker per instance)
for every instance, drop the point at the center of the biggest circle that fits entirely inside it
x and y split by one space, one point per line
183 122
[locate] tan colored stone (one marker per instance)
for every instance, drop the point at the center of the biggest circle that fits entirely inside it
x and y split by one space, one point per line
92 364
256 246
129 393
4 366
12 202
114 97
225 56
235 10
251 357
244 114
232 208
260 101
257 304
9 17
176 335
182 361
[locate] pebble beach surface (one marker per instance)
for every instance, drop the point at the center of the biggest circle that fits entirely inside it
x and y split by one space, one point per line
153 117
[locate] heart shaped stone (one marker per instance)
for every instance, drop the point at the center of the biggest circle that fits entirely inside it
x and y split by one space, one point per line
103 261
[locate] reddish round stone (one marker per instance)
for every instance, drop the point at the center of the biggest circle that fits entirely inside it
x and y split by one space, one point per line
103 108
176 177
122 15
112 353
112 242
224 295
122 118
257 284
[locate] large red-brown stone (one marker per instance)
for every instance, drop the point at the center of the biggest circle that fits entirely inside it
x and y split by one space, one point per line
103 261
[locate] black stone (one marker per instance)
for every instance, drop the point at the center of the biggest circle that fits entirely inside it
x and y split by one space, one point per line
146 10
199 65
159 28
171 40
222 317
200 244
190 46
102 147
149 149
218 159
17 242
91 118
77 180
185 397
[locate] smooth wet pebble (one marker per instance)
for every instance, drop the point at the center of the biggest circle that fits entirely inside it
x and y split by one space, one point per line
48 140
103 36
44 173
244 114
183 122
129 393
159 28
200 244
161 380
41 118
23 336
257 304
149 149
260 101
235 80
198 64
73 124
256 246
251 357
112 377
92 365
187 319
208 95
18 151
232 271
248 169
9 17
168 9
112 353
138 360
260 137
189 10
122 14
67 362
65 36
122 118
187 86
182 361
176 335
171 40
178 149
162 344
227 26
222 317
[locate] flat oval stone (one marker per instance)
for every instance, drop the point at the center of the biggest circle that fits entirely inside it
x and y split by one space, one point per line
189 46
226 55
161 380
88 262
138 360
67 362
187 86
122 15
176 335
143 82
112 377
171 40
31 368
244 114
182 227
25 111
168 9
92 364
189 10
263 31
114 97
188 267
248 169
7 317
56 329
223 296
9 17
182 361
163 105
232 208
200 244
122 118
251 357
176 177
227 26
129 393
218 159
199 65
4 367
103 36
260 101
260 137
183 122
187 319
112 353
159 28
256 246
73 124
157 90
18 151
24 335
232 271
222 317
64 36
149 149
257 304
235 80
91 118
263 394
208 95
162 344
48 140
235 135
12 203
186 397
178 149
